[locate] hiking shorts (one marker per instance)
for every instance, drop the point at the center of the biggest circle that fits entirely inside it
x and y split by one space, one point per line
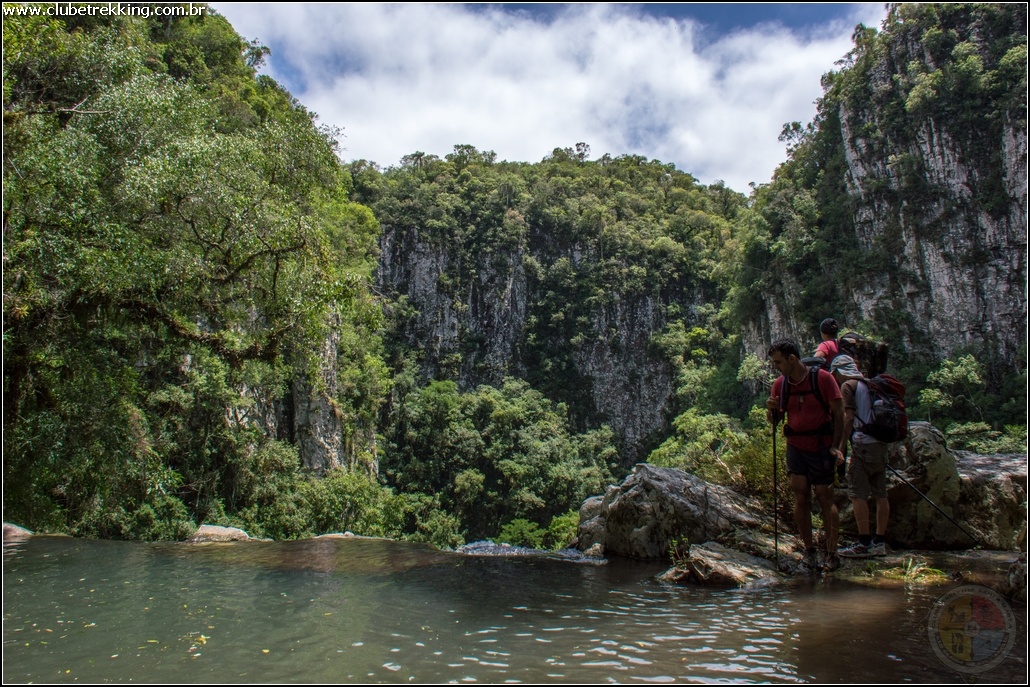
867 471
818 466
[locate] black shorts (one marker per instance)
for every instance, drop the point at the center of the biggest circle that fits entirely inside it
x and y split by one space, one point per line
819 466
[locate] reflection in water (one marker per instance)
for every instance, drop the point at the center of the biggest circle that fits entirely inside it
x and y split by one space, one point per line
377 611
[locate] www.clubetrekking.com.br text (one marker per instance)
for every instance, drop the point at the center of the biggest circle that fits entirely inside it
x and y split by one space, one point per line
102 9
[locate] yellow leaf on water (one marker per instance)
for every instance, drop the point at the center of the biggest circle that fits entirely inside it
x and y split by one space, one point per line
264 651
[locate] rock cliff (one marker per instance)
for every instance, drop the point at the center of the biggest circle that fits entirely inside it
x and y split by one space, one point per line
919 160
481 322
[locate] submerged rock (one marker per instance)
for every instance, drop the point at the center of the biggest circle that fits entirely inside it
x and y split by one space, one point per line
713 564
489 548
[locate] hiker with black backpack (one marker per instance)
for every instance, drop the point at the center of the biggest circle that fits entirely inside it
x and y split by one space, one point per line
871 420
810 400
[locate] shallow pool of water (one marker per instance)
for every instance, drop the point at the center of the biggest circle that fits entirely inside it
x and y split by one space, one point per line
389 612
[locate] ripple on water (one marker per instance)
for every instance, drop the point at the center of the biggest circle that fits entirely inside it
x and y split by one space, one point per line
381 612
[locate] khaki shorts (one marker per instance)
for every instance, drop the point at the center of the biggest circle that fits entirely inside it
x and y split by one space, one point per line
867 471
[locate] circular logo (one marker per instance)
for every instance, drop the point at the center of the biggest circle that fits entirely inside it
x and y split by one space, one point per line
971 628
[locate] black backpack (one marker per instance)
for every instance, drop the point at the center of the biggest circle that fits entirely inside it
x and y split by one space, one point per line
889 421
870 356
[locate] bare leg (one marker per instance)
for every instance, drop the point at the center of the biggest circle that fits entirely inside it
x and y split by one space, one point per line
861 508
883 513
802 508
829 509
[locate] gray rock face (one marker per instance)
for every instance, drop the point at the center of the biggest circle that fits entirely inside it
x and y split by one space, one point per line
317 426
655 506
471 322
963 300
942 205
485 303
630 388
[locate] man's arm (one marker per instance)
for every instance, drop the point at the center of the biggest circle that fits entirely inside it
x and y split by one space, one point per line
849 426
772 404
837 411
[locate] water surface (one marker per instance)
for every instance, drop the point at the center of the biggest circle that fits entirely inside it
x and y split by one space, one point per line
390 612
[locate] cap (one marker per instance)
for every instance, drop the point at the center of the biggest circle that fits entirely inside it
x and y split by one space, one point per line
845 364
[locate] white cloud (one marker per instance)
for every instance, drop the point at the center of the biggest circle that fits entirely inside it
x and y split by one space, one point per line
401 78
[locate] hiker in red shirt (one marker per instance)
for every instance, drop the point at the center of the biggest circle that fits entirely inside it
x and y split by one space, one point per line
811 401
828 348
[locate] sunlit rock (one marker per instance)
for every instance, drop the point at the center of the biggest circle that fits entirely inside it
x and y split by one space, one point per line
15 532
217 533
655 506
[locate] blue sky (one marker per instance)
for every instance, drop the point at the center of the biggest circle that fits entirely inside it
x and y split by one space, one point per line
706 87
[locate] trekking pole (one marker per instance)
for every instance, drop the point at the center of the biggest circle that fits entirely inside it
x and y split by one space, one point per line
952 520
776 498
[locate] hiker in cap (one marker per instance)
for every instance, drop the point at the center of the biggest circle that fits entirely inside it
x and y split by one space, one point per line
811 401
867 471
828 348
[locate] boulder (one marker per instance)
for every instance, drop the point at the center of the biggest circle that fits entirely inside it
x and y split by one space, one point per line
1015 579
986 495
992 498
713 564
217 533
14 533
656 506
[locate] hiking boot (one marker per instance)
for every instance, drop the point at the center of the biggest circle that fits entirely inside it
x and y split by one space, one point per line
877 548
857 550
810 560
830 562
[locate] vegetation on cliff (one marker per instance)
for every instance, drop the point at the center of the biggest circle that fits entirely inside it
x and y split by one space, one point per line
177 243
180 239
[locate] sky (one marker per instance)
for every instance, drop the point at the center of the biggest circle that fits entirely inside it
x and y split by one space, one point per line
707 87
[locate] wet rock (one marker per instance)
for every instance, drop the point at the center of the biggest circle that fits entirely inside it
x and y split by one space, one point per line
217 533
655 506
1015 579
14 533
713 564
592 521
489 548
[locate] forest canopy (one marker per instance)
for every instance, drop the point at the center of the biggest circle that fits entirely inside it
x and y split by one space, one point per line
208 317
